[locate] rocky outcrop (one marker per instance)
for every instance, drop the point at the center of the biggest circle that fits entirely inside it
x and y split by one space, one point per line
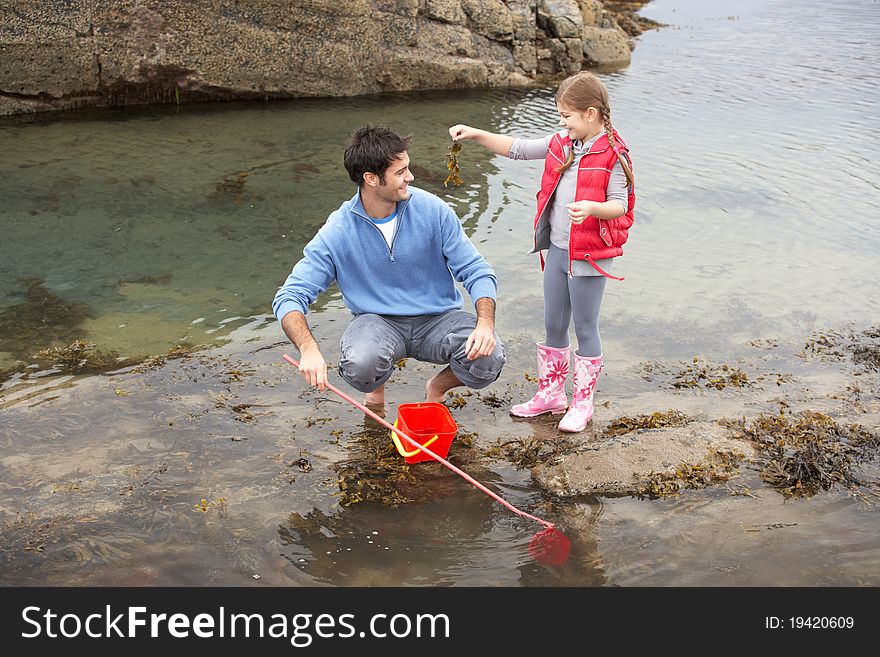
622 466
58 54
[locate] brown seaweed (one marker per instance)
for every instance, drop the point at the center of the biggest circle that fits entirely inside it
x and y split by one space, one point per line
802 455
233 186
43 318
863 347
378 474
719 465
658 420
699 374
529 452
452 165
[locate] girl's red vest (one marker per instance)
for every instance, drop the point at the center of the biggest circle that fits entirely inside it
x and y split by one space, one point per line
592 239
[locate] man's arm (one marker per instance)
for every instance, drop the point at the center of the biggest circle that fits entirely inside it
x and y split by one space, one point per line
481 341
466 263
470 268
311 364
485 312
310 277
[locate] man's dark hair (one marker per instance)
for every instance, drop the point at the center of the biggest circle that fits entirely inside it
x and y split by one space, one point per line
372 149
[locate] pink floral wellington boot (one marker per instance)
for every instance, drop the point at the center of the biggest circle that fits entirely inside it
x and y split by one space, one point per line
586 374
552 372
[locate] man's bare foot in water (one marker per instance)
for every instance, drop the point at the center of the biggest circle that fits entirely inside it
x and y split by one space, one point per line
439 384
375 401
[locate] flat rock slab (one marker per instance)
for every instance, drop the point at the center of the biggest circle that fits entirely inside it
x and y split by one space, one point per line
617 465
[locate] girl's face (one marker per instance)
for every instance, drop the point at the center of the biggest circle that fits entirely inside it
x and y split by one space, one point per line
580 125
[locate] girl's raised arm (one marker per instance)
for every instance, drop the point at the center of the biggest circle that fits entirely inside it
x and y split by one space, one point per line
499 144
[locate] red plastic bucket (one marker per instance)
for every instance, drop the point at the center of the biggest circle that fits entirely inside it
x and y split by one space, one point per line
429 424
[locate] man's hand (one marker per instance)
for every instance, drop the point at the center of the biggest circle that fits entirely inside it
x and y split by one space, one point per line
313 367
481 342
311 360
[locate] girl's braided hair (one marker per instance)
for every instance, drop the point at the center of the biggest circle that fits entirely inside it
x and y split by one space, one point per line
580 92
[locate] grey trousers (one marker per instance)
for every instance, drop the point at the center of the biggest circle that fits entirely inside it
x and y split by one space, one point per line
372 344
571 296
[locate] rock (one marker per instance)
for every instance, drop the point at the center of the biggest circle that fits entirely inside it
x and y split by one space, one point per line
605 47
447 39
526 58
64 55
409 8
605 42
593 14
625 14
490 18
522 15
417 73
560 56
616 466
447 11
562 18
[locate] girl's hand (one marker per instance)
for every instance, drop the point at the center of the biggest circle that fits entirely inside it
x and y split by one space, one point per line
461 131
579 210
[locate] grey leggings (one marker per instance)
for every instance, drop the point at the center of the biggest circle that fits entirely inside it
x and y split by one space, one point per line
564 296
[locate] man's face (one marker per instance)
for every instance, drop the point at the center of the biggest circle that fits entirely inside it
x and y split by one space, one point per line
397 180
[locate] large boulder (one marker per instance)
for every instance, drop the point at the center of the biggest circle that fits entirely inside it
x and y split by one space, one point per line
621 466
60 54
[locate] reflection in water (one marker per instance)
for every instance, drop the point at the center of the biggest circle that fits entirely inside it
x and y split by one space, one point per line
370 545
583 567
410 524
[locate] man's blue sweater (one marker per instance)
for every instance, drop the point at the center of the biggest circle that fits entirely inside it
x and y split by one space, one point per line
414 276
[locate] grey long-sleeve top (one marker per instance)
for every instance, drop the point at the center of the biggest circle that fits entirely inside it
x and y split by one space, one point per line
560 224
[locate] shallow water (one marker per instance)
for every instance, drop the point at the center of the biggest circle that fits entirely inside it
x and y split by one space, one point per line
146 216
752 129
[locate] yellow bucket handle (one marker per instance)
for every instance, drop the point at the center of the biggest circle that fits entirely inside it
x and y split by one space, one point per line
400 448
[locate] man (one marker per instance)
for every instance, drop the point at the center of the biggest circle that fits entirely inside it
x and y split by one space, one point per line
395 252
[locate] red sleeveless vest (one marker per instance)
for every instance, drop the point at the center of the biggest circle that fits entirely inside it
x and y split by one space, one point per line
592 239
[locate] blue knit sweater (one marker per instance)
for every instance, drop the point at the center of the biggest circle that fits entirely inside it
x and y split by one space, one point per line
414 276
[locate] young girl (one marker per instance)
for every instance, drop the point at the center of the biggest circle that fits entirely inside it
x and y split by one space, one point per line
585 209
